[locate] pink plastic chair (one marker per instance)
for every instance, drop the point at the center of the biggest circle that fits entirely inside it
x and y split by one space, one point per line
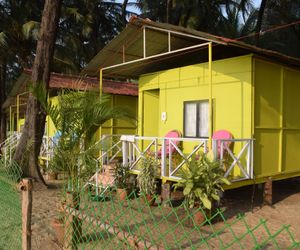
222 135
170 134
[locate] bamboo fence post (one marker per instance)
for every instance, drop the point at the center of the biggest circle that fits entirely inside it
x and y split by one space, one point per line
26 187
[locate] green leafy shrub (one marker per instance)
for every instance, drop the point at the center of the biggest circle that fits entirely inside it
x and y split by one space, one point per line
202 181
121 175
146 178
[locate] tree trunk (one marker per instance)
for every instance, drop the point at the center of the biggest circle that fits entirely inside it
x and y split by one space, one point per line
28 149
2 99
124 6
259 21
169 11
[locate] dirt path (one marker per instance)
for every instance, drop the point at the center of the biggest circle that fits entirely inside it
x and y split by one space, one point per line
45 201
285 211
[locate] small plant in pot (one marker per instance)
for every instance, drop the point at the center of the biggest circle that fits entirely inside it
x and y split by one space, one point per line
58 224
121 177
202 181
52 171
146 178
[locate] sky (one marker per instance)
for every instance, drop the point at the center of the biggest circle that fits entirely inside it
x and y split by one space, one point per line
256 4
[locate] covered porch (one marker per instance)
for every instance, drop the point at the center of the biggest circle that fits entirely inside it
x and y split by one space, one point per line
172 154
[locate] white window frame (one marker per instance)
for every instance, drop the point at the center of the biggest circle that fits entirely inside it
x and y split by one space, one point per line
197 118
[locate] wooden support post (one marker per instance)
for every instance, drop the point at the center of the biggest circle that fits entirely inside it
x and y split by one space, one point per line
73 225
268 192
26 187
165 192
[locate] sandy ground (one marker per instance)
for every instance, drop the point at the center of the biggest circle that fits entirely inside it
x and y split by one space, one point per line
285 210
45 202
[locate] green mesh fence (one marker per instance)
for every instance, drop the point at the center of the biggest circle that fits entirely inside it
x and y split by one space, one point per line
10 207
106 222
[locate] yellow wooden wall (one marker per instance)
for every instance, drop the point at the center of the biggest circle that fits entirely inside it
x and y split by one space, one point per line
110 127
119 127
231 93
277 120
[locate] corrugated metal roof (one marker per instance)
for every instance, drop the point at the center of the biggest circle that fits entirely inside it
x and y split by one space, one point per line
128 46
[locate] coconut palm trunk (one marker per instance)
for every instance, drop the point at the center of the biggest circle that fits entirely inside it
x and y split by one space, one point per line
29 145
2 99
260 21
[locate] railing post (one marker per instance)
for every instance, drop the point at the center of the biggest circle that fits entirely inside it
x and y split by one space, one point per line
47 153
252 150
5 157
130 152
215 148
163 157
97 180
249 159
26 187
156 149
170 156
205 146
125 152
221 153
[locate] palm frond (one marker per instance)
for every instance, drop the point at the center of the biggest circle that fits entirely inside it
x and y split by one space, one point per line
3 39
31 29
74 12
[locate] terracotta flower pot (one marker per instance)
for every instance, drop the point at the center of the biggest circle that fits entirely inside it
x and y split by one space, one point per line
58 227
199 217
150 199
51 176
121 194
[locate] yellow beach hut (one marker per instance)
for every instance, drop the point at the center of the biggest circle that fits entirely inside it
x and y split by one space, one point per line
198 83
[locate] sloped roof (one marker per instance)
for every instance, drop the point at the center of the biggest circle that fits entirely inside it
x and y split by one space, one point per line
128 46
62 81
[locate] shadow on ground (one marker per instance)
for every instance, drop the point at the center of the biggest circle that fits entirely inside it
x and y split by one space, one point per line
250 198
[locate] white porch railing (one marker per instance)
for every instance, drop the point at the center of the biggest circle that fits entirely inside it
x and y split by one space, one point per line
168 151
236 155
111 147
47 149
236 159
242 160
8 147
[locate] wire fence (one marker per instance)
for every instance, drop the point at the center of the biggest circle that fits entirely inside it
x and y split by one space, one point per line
10 207
107 222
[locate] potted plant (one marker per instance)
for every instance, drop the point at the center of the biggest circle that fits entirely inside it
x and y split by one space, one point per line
58 224
52 171
146 178
121 176
202 181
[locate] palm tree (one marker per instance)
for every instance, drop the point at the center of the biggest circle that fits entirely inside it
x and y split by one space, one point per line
85 27
77 117
233 26
287 39
33 131
259 21
17 41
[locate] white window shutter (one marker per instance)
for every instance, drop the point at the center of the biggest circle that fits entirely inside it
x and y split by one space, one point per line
203 119
190 122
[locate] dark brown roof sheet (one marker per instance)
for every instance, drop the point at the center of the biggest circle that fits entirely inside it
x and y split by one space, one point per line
62 81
